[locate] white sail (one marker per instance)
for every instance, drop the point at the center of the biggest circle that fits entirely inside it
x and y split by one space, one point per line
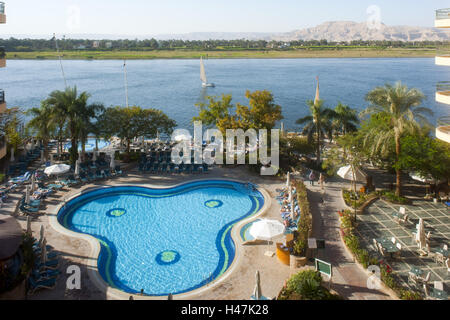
202 71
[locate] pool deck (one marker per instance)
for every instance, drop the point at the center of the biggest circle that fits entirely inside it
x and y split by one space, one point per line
238 284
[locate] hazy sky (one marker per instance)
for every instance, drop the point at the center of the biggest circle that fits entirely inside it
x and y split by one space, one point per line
141 17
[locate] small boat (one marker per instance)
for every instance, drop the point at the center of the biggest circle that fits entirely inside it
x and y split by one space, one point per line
203 75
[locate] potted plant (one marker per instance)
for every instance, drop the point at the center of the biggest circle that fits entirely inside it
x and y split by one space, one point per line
298 256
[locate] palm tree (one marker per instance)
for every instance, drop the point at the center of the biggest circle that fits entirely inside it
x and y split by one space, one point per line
346 119
76 111
41 123
400 106
318 124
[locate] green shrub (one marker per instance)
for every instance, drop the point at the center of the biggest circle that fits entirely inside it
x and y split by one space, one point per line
306 285
393 198
410 295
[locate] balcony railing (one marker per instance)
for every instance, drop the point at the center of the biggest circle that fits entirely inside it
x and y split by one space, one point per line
2 96
443 129
443 14
443 86
2 8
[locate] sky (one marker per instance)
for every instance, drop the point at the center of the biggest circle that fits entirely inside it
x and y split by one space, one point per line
151 17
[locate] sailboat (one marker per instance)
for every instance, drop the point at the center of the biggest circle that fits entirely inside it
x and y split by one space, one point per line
203 75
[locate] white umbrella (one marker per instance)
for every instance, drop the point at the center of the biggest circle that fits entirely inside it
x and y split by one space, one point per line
355 175
418 177
12 154
290 194
77 167
44 251
51 159
288 180
112 164
257 293
32 145
27 195
29 225
41 234
33 182
42 156
181 137
348 174
57 169
292 211
266 229
420 236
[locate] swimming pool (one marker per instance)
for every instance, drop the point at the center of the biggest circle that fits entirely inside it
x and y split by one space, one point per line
90 144
163 241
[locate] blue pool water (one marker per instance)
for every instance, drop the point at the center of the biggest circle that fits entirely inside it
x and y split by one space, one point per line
162 240
90 145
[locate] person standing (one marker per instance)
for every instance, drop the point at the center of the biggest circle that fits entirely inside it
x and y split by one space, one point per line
312 177
322 180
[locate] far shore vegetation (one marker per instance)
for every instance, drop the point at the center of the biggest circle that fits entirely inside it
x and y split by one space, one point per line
214 49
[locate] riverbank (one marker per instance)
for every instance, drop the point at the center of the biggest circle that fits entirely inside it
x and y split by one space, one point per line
244 54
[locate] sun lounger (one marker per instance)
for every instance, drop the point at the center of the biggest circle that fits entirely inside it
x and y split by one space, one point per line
43 284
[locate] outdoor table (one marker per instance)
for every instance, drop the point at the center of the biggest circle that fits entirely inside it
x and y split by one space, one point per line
438 294
443 252
416 271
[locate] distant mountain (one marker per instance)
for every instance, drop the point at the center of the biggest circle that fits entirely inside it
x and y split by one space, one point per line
331 31
348 31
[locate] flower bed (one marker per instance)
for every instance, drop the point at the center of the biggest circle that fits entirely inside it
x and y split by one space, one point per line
392 198
306 285
304 228
351 240
358 201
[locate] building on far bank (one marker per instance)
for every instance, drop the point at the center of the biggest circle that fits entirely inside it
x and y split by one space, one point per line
2 92
443 88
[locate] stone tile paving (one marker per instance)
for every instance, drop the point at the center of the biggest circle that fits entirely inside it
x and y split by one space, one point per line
378 221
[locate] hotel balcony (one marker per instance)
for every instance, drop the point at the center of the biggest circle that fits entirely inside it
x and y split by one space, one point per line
443 92
442 18
2 13
443 129
2 101
443 55
2 57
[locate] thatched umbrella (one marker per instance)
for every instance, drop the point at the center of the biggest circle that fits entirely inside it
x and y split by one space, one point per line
257 294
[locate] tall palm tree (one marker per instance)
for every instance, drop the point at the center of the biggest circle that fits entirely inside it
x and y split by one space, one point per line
42 125
76 109
318 124
346 119
401 106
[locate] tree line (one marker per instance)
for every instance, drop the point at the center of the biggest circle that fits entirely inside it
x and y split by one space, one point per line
29 45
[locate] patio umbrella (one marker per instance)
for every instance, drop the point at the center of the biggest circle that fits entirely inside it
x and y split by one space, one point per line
418 177
44 251
77 167
27 195
51 159
355 175
292 210
12 154
57 169
33 182
112 164
266 229
181 137
94 157
290 194
288 180
42 156
420 236
257 293
29 225
32 145
41 234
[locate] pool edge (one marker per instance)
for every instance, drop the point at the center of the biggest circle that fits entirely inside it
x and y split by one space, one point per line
92 258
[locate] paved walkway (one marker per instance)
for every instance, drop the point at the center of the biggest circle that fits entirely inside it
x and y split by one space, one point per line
349 279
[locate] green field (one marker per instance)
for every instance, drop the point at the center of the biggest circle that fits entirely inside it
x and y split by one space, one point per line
231 54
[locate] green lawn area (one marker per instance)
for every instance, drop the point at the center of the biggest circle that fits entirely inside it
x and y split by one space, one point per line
229 54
